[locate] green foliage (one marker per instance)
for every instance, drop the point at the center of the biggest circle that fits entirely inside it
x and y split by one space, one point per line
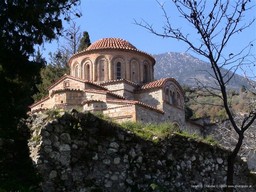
204 104
150 131
84 41
209 139
188 112
53 113
57 67
103 117
49 74
156 187
24 24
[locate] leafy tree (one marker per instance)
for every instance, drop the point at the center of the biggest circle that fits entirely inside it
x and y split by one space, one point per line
24 24
51 73
84 41
57 66
215 24
188 112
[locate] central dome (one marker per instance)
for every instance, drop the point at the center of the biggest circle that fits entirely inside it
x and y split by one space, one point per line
111 43
111 59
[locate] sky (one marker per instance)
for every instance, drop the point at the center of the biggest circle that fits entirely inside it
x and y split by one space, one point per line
115 18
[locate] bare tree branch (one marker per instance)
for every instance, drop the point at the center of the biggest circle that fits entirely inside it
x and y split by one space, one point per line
215 23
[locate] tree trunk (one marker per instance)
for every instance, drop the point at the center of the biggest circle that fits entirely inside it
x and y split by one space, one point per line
231 163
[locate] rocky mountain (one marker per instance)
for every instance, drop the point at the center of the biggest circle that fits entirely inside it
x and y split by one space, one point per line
188 70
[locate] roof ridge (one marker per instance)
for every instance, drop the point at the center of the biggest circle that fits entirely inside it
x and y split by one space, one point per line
117 81
134 102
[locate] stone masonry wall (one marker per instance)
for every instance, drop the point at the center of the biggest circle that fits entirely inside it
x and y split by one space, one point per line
77 152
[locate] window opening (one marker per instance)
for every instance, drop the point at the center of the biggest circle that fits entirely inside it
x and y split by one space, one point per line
145 75
118 71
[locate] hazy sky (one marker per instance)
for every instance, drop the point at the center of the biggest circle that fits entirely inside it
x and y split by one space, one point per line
115 18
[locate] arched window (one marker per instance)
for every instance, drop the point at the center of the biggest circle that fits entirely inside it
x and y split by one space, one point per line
118 71
171 97
178 99
87 72
145 73
86 69
174 98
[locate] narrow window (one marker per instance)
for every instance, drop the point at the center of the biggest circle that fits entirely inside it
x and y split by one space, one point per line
174 98
101 70
87 72
145 75
118 71
178 99
171 98
134 71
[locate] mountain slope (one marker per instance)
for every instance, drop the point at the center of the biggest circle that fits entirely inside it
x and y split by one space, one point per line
188 70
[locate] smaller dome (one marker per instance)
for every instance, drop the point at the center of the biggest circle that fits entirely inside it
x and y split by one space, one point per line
111 43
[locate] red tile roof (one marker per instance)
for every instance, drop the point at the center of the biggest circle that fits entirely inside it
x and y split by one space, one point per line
92 101
111 43
115 81
76 79
158 84
40 101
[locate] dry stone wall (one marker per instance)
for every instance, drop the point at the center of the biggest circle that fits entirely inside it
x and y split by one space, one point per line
79 152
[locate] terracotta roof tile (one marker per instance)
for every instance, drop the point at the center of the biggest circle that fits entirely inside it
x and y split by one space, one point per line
40 101
158 84
111 43
92 101
76 79
154 84
117 81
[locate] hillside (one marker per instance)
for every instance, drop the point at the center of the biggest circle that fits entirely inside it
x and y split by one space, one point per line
188 70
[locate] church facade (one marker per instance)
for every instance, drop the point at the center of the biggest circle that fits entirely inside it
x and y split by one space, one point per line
113 77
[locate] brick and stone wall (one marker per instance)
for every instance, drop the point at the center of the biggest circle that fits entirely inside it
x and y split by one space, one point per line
121 88
144 114
110 56
152 97
79 152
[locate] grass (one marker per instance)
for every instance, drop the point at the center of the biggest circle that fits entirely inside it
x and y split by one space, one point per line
208 140
156 131
150 131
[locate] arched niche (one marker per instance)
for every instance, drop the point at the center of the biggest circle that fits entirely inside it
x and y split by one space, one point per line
86 69
173 95
76 70
146 72
134 71
101 69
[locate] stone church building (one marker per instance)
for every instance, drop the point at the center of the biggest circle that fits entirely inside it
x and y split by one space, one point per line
113 77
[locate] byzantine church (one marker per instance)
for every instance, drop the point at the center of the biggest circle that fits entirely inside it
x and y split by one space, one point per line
113 77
